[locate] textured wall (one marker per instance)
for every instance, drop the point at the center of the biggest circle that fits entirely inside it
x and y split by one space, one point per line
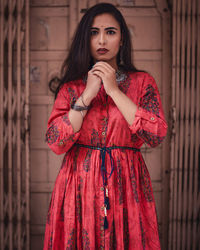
52 22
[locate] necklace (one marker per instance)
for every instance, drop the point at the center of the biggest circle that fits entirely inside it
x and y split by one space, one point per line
120 76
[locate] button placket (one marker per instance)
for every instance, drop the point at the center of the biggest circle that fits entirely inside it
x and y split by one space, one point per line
104 121
104 128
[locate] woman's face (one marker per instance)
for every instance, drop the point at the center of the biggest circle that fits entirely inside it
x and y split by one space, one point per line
105 39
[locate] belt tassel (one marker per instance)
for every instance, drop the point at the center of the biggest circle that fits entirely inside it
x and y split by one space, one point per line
105 219
107 203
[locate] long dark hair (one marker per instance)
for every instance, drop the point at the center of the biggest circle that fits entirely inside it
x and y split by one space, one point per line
79 60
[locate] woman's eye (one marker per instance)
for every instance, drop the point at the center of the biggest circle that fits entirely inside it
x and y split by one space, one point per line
111 32
93 32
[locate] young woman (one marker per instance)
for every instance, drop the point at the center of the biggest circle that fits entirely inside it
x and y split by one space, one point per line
104 111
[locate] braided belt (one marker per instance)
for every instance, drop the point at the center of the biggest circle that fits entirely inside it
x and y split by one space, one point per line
103 151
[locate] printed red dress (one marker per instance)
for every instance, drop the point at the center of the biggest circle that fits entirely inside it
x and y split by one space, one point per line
102 198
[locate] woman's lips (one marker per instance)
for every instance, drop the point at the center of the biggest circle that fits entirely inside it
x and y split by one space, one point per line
102 51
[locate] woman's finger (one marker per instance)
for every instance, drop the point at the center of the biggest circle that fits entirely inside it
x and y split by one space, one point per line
98 73
99 69
105 65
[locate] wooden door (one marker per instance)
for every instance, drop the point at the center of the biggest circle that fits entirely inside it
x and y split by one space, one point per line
52 27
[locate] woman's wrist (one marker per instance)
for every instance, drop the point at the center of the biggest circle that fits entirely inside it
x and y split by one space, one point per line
114 92
86 98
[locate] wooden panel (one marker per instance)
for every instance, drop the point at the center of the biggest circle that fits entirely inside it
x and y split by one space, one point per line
51 24
38 78
142 3
40 3
39 169
39 213
38 122
145 28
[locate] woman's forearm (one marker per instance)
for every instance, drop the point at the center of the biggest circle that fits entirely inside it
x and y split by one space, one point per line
124 104
76 117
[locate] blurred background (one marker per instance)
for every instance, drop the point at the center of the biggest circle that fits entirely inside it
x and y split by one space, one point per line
34 40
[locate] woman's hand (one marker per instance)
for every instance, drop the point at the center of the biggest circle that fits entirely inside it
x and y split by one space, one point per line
107 75
92 87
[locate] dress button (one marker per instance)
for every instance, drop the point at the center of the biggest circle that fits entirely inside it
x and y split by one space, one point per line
105 119
102 188
152 118
103 133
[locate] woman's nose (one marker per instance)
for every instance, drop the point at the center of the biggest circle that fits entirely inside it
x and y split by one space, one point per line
102 39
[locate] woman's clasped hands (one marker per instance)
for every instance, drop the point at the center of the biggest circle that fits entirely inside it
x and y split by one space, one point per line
107 74
101 73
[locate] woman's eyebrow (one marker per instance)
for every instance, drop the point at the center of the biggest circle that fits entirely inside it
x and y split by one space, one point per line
108 28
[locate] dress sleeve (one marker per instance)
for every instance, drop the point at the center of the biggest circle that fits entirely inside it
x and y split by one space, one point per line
149 123
60 135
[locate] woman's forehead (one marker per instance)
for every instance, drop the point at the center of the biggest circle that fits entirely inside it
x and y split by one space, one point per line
105 20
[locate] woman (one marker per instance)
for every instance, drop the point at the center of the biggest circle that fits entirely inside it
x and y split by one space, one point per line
104 111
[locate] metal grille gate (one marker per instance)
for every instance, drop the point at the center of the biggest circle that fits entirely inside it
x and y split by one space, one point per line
14 125
185 162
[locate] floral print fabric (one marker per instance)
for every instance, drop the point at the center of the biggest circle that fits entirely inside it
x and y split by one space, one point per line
75 217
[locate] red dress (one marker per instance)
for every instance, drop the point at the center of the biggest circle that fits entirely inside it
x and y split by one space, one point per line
109 151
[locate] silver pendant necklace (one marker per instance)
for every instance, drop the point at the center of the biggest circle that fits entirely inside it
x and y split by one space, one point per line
120 76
